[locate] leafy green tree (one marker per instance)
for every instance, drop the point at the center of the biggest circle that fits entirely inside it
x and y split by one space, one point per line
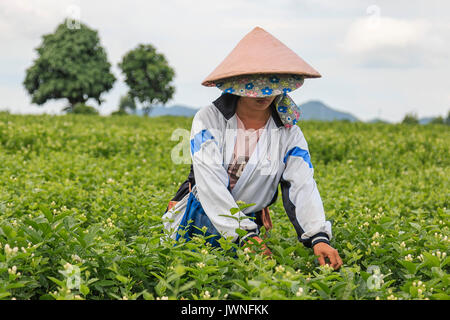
410 118
81 108
437 120
119 112
447 120
148 75
127 103
71 64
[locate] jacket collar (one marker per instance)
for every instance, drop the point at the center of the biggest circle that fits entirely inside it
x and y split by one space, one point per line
227 104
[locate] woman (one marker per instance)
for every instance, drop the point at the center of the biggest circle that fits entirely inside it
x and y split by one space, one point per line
246 144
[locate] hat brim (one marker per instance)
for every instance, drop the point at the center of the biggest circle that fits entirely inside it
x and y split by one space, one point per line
260 85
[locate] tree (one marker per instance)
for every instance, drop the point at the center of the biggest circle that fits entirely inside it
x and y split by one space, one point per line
127 102
148 76
447 120
81 108
71 64
410 118
437 120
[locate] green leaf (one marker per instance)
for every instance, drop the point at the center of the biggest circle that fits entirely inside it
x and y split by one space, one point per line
187 286
241 232
228 216
430 259
4 294
440 296
46 212
104 283
122 278
84 289
410 266
233 211
60 283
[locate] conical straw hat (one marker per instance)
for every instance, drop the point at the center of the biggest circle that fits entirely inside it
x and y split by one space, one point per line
260 52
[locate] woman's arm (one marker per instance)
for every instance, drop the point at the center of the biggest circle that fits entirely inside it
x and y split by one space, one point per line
301 198
211 178
302 201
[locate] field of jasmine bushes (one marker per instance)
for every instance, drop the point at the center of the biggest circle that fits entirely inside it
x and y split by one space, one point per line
81 200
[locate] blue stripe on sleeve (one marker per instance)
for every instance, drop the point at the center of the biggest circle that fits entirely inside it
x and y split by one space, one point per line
199 139
297 152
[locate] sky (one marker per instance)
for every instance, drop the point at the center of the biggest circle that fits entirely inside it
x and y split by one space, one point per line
378 59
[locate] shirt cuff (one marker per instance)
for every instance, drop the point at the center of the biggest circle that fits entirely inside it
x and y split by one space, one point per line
320 237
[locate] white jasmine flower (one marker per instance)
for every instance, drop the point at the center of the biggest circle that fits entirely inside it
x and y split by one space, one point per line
375 243
68 267
75 257
12 270
279 268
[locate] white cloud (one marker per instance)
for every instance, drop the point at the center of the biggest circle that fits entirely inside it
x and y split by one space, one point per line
379 41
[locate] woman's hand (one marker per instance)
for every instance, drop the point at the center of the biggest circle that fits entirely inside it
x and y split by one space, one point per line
323 250
264 249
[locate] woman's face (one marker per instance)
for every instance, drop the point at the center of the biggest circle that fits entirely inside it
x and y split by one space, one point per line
257 103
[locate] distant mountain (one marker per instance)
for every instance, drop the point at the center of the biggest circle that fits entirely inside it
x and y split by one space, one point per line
377 120
311 110
176 110
317 110
425 120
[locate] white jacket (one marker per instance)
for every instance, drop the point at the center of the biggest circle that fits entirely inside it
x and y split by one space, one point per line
280 157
